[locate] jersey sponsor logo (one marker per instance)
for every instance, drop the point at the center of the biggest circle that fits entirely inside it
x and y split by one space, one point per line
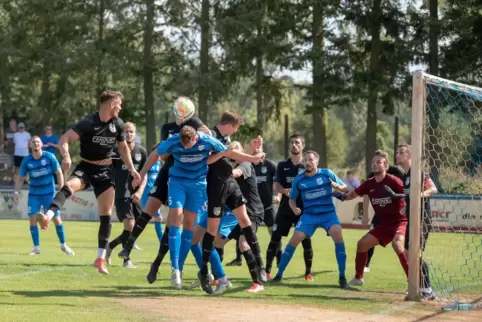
261 179
382 202
264 170
39 173
217 211
112 128
137 157
315 194
191 158
102 140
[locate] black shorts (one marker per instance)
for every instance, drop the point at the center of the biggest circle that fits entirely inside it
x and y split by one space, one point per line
237 231
17 160
284 221
159 189
222 194
100 177
425 232
125 208
269 216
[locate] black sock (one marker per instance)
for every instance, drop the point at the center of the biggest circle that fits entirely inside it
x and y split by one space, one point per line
307 255
163 247
253 243
104 231
139 226
279 252
425 278
221 253
251 262
208 240
238 252
272 250
121 239
370 255
60 198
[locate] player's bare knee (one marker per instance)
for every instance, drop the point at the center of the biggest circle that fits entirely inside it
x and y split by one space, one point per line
297 238
152 207
219 242
243 244
398 246
33 220
336 233
129 224
57 220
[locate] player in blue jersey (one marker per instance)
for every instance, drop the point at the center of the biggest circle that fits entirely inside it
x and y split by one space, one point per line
41 167
151 179
187 188
315 188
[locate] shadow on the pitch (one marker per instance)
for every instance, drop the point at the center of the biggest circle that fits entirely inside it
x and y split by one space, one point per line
327 297
35 304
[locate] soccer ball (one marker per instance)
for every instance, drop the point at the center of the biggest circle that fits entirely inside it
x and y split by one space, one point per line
183 108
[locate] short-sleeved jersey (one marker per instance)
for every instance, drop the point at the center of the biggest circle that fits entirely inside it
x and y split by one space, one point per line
426 182
123 178
222 169
190 164
152 174
315 191
41 172
389 211
97 138
286 172
249 188
265 175
393 170
50 139
169 129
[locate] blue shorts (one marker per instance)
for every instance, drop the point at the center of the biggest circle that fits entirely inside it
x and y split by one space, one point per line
145 197
308 223
35 203
187 194
226 225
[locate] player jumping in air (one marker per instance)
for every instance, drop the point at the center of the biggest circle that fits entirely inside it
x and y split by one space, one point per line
127 199
394 171
187 188
286 171
386 195
315 188
404 159
41 167
158 196
246 179
98 134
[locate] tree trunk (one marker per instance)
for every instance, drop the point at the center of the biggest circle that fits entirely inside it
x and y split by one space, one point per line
373 82
432 146
204 79
100 52
148 77
260 108
318 112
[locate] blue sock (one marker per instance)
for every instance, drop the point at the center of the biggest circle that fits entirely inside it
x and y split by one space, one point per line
35 235
340 258
186 243
174 245
285 259
60 233
158 228
216 264
197 252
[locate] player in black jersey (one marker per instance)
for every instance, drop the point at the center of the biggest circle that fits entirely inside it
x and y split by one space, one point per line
393 170
223 190
127 198
158 197
404 159
98 134
286 171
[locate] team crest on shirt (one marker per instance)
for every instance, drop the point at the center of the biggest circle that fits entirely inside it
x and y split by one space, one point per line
112 127
407 181
153 189
264 170
43 162
201 147
137 156
217 211
301 170
319 181
79 173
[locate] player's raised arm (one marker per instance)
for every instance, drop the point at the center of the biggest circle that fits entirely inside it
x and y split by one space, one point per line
242 170
358 192
71 135
336 182
429 187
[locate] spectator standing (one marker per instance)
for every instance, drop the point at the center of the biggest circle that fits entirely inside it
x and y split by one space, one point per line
9 147
351 181
21 139
50 141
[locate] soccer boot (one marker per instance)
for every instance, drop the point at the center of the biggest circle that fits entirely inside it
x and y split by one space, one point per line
176 279
342 282
261 274
35 251
223 286
309 278
427 294
366 269
66 249
128 264
101 266
197 282
124 253
235 262
108 254
152 275
205 282
255 288
43 220
276 279
356 282
136 247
